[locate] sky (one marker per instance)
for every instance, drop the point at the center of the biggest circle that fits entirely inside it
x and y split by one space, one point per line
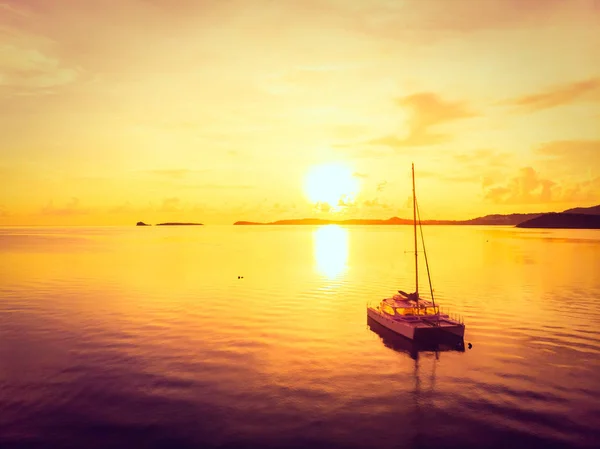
215 111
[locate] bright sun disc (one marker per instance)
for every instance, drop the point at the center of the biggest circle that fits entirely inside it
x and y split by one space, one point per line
330 184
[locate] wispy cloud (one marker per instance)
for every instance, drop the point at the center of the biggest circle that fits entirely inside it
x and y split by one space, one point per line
170 205
375 203
124 208
72 208
580 158
177 173
483 157
449 177
381 186
322 207
426 111
27 68
588 150
11 9
558 95
360 175
214 186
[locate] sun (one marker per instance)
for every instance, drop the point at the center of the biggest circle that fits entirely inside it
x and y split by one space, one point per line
333 184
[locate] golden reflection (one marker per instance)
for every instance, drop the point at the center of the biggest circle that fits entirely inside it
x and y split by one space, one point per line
331 250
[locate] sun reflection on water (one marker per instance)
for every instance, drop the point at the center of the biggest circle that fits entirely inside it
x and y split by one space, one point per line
331 250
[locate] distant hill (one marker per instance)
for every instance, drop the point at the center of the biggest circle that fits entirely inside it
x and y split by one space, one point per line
487 220
594 210
141 223
495 219
506 220
319 221
563 220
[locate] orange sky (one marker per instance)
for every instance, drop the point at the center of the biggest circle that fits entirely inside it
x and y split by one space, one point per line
214 111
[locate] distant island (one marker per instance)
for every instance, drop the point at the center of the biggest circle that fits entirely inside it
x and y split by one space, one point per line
563 221
487 220
141 223
496 219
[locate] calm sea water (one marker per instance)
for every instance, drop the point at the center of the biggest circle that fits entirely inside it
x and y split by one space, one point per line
146 338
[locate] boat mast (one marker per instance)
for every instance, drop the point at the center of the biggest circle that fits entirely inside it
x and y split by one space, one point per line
415 230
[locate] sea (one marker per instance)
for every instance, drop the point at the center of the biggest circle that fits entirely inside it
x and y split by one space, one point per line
257 337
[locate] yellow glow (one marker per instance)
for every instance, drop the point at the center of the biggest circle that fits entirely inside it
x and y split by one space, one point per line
331 184
331 250
206 139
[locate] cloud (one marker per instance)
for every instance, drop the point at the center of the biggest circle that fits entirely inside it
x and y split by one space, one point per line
442 176
588 150
28 64
571 157
381 186
170 205
559 95
427 111
488 180
124 208
360 175
177 173
525 188
186 175
582 192
483 165
167 205
374 203
421 22
222 186
529 187
483 157
322 207
11 9
70 209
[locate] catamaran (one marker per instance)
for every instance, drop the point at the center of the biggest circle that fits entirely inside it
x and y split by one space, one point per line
410 315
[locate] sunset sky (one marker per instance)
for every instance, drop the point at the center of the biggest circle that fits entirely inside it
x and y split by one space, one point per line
215 111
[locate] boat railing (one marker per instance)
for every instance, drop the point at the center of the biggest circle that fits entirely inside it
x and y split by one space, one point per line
452 315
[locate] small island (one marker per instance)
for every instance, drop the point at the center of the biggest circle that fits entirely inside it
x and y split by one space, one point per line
141 223
563 221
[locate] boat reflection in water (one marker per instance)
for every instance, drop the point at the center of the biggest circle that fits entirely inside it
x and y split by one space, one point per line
423 405
438 343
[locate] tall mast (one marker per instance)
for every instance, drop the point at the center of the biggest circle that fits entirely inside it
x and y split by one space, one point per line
415 229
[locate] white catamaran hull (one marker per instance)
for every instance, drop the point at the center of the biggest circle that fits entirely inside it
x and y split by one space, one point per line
418 329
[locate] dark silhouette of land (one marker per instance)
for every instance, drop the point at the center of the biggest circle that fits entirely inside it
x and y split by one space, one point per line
563 220
487 220
594 210
495 219
141 223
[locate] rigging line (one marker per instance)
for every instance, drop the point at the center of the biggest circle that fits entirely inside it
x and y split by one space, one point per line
425 253
415 232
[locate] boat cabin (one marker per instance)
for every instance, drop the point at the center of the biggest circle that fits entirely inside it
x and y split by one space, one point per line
398 306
